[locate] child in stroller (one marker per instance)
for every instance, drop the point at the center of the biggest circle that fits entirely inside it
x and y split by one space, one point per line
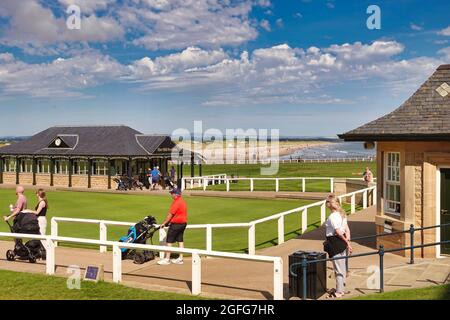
139 234
26 222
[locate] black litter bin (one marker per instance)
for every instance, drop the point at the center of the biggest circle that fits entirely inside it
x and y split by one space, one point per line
316 285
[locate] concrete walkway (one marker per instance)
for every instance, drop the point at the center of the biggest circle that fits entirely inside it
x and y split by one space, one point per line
225 278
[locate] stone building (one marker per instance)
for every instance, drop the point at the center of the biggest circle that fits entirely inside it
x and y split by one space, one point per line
83 156
413 162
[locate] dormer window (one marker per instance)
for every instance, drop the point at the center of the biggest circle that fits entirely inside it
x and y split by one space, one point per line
58 143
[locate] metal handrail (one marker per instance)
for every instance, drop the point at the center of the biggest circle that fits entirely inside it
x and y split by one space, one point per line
381 252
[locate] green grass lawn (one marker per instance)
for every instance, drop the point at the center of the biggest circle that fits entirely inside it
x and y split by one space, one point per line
25 286
430 293
202 210
338 170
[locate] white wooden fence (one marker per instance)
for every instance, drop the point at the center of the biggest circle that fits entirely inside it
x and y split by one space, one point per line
203 182
196 289
368 197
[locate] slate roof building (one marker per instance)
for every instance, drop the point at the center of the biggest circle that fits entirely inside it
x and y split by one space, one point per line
413 162
83 156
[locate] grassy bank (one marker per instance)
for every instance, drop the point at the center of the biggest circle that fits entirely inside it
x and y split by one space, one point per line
430 293
24 286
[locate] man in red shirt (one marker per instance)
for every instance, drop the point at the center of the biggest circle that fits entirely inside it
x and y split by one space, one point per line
177 221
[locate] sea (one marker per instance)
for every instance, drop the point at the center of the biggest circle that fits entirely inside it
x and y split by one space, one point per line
333 150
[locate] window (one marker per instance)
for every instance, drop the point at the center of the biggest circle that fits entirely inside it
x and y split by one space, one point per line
80 167
43 166
9 165
26 165
392 183
61 166
99 167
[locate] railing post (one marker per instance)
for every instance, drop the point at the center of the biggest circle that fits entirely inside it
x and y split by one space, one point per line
196 274
381 254
331 185
323 213
411 240
365 199
103 236
162 241
303 185
183 184
278 279
277 185
54 230
208 238
50 257
252 186
304 275
353 203
251 239
281 230
227 181
117 264
205 183
374 196
304 220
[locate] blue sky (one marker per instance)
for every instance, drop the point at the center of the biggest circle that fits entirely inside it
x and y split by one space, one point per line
306 67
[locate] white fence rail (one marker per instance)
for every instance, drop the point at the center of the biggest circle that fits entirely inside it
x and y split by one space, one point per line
196 289
368 198
192 182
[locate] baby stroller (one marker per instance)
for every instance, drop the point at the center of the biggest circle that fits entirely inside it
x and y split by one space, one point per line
139 234
32 249
120 184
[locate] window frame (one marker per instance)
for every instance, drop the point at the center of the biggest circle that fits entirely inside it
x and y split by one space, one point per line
392 170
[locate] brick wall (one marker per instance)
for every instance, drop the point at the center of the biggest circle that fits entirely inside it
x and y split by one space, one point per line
26 178
9 178
99 182
80 181
43 179
61 180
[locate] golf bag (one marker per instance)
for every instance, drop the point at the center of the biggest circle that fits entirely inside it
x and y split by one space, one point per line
139 234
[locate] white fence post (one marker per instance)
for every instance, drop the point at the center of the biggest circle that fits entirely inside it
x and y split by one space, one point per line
251 185
365 199
281 229
304 220
54 230
374 196
277 185
323 213
196 274
251 239
278 279
208 237
183 184
227 181
303 185
50 257
162 241
205 183
117 264
103 236
353 204
332 185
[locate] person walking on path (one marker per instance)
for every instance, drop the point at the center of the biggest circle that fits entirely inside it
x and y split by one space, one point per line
177 221
41 211
337 244
368 175
21 203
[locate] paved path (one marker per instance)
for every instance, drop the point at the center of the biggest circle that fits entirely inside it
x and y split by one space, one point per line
225 278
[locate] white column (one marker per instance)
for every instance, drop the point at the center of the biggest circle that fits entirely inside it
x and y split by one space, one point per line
50 257
208 238
278 279
117 264
277 185
365 199
162 241
196 274
304 220
353 204
251 185
280 230
54 230
323 213
303 185
103 236
252 239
